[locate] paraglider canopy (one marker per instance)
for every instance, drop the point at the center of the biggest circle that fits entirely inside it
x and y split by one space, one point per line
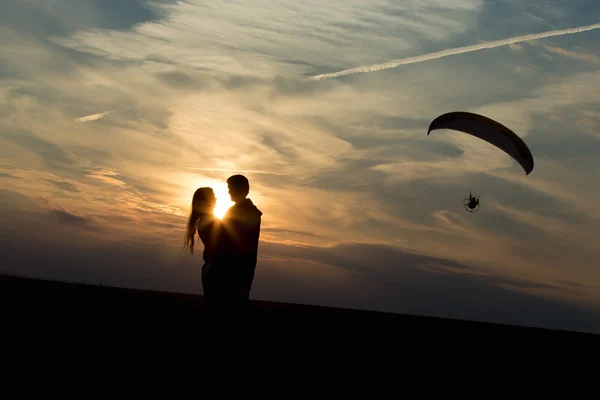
488 130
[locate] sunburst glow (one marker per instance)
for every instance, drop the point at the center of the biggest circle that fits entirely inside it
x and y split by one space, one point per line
219 187
223 200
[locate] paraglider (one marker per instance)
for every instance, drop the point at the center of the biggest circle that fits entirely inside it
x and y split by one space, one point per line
471 203
490 131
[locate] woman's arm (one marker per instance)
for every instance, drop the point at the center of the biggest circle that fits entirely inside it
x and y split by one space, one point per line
208 233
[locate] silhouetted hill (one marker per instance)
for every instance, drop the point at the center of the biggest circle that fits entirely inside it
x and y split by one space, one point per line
56 306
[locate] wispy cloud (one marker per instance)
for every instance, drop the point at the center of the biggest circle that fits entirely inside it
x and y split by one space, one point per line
516 47
574 55
106 176
236 171
69 217
234 43
68 186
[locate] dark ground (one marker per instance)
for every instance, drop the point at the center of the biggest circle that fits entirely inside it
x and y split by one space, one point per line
59 307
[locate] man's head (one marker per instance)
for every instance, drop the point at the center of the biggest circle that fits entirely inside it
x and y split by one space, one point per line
239 187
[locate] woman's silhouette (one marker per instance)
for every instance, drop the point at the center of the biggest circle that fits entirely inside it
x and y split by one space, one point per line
202 220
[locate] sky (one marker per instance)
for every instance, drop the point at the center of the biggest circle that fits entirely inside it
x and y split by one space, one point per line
112 113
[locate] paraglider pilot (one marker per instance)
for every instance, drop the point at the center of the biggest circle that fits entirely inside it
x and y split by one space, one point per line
473 202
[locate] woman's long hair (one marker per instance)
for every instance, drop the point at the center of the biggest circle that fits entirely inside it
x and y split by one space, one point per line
200 206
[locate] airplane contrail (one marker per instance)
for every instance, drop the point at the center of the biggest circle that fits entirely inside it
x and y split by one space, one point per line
93 117
455 51
96 117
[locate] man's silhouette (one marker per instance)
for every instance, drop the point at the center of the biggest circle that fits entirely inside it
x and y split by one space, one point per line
241 226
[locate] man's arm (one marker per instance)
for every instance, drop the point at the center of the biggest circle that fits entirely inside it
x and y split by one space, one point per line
248 228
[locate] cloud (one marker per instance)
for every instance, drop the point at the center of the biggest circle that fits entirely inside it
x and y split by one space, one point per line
50 153
237 171
107 176
70 218
574 55
292 231
16 201
576 91
129 202
516 47
571 284
419 284
67 186
68 16
526 70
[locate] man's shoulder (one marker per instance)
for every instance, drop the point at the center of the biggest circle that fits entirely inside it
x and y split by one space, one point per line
247 212
250 218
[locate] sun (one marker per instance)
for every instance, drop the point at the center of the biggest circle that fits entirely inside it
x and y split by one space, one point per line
219 188
223 200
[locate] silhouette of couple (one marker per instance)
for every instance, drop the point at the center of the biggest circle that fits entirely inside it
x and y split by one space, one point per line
230 248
